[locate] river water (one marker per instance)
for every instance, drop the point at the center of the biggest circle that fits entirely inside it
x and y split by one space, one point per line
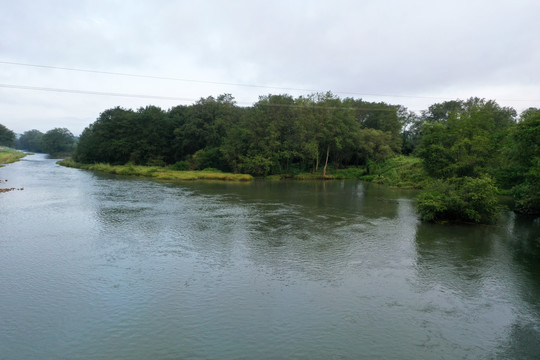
97 266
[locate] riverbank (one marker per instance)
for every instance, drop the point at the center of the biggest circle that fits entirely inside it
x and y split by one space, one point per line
9 155
157 172
401 171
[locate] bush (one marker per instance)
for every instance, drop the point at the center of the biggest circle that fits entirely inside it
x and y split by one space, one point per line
459 200
350 173
209 169
255 165
527 194
207 158
180 166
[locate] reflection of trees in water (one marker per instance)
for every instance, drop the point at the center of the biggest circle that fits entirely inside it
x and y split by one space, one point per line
313 227
523 343
524 239
497 269
454 255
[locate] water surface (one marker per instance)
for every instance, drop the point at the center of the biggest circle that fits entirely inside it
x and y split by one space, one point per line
97 266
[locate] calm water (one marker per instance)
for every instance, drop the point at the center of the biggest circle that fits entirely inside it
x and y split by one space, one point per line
102 267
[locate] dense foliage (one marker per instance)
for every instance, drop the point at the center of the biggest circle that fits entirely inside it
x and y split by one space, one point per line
463 153
523 162
474 141
31 140
463 199
470 150
7 137
279 134
58 141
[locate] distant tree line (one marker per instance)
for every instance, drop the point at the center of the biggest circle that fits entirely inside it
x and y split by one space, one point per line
58 141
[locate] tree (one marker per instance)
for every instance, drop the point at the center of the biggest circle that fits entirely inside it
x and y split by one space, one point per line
460 147
270 131
524 158
202 128
58 141
7 137
119 136
31 140
411 133
376 145
464 140
151 135
463 199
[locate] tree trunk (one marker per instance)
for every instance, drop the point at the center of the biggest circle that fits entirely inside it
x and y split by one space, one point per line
326 162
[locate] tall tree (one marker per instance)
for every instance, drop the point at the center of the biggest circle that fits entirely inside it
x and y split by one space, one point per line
58 141
31 140
464 140
203 129
7 137
525 157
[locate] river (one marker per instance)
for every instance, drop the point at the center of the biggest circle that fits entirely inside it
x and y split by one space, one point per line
96 266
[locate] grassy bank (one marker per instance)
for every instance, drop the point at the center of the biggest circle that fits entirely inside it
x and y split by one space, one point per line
400 171
8 155
157 172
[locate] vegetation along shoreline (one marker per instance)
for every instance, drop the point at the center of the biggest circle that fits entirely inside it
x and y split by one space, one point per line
462 154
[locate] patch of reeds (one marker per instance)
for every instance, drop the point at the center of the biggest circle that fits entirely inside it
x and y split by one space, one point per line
161 173
8 155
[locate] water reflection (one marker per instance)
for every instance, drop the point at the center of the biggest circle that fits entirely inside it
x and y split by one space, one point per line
128 268
474 273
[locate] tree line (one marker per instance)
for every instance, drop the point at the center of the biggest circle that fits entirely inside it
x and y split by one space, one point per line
278 134
471 150
58 141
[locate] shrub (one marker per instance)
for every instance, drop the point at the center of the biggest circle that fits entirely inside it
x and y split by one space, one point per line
459 200
527 193
180 166
255 165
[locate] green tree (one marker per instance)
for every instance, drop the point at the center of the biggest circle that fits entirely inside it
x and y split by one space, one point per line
7 137
463 199
411 133
272 128
31 140
58 141
151 133
203 127
524 160
111 138
119 136
464 142
376 145
460 146
337 129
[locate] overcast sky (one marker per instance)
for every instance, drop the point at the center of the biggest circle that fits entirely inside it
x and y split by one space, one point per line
413 53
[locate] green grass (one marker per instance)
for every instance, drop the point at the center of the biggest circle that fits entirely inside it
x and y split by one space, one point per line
350 173
8 155
400 171
157 172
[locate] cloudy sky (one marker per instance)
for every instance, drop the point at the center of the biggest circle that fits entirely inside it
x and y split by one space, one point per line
64 62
